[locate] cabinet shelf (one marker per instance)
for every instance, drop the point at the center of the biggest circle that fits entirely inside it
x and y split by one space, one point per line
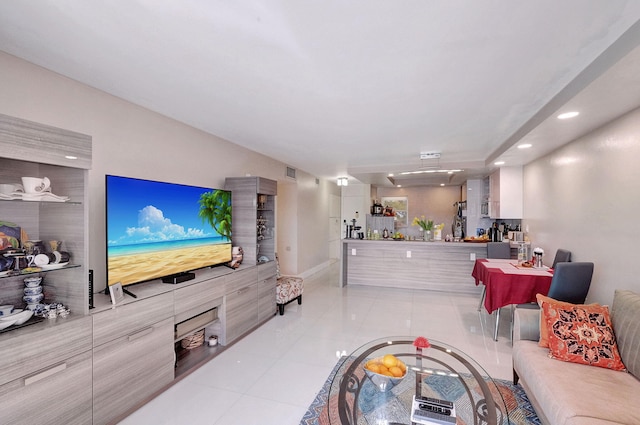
39 270
178 338
42 202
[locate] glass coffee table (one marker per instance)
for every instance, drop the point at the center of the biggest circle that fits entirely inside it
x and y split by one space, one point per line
438 372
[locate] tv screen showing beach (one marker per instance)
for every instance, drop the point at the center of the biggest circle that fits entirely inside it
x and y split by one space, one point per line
157 229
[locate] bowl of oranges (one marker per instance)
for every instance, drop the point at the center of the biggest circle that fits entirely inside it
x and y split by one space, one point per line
386 371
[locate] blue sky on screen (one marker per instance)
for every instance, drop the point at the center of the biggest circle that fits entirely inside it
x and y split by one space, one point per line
143 211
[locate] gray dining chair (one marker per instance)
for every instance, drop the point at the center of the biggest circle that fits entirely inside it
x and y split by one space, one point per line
500 250
562 256
570 283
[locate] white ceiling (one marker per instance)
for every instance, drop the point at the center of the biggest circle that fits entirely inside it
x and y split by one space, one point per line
355 88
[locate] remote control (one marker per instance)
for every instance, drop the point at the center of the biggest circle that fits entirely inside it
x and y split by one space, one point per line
436 401
435 409
432 417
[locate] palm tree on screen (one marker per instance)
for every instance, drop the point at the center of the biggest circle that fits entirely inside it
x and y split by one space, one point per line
215 208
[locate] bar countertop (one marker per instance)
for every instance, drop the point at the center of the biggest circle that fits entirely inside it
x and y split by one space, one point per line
437 265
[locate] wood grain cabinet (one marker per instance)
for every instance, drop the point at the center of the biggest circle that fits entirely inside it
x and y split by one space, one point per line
29 149
45 373
133 356
253 224
266 291
241 303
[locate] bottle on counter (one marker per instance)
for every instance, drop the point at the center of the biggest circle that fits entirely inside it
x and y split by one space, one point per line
385 233
369 233
522 253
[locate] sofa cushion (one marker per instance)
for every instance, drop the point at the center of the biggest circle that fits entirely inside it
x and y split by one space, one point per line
625 315
544 331
570 393
581 334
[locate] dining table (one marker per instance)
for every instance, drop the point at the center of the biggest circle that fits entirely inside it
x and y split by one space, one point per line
507 283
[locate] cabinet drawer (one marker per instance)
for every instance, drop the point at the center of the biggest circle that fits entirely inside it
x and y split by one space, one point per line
240 278
195 299
126 319
266 270
41 345
57 394
130 369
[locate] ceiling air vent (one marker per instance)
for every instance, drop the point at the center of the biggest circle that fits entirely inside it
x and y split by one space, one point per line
291 173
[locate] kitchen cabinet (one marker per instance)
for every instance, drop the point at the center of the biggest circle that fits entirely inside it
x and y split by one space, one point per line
133 356
505 193
253 201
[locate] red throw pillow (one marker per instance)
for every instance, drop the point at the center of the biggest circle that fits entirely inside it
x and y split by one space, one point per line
581 334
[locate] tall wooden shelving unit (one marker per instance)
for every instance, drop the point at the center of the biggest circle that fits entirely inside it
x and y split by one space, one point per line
253 200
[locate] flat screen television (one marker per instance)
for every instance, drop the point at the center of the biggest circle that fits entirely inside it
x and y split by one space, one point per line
164 230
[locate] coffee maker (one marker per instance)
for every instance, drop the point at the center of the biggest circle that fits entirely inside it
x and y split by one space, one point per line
353 231
495 235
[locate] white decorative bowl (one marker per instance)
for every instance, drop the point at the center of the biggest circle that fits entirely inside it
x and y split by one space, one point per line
33 291
31 282
32 299
34 306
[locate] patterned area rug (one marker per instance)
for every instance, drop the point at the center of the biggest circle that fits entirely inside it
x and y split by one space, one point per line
520 410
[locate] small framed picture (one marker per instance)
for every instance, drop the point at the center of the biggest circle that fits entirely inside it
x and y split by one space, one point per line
117 294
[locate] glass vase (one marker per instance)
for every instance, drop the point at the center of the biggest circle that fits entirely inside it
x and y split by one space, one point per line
428 236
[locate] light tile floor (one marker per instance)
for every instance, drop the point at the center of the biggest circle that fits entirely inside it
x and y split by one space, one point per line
272 375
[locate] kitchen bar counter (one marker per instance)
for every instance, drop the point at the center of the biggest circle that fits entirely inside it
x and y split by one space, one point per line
441 266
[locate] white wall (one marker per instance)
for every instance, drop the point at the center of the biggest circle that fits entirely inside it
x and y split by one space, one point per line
585 197
132 141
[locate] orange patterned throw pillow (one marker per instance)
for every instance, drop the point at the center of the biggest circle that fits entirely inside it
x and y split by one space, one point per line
581 334
544 332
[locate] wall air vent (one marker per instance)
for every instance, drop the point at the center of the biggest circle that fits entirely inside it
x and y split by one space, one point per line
291 173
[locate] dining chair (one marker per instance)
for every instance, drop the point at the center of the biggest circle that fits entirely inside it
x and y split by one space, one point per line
570 283
562 256
500 250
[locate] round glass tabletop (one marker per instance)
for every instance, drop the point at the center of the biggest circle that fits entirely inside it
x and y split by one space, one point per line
440 385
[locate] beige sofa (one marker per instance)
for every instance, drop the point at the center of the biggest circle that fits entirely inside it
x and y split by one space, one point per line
565 393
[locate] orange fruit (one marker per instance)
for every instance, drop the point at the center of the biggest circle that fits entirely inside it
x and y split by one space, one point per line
396 371
382 369
389 360
387 373
402 366
374 367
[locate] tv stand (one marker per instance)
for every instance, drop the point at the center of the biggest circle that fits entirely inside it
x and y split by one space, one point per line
179 278
128 292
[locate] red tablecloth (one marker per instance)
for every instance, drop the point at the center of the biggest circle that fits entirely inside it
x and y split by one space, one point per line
507 283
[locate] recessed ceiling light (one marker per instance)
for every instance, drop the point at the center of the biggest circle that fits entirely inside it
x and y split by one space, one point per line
71 157
406 173
524 146
390 174
399 185
498 163
441 184
567 115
